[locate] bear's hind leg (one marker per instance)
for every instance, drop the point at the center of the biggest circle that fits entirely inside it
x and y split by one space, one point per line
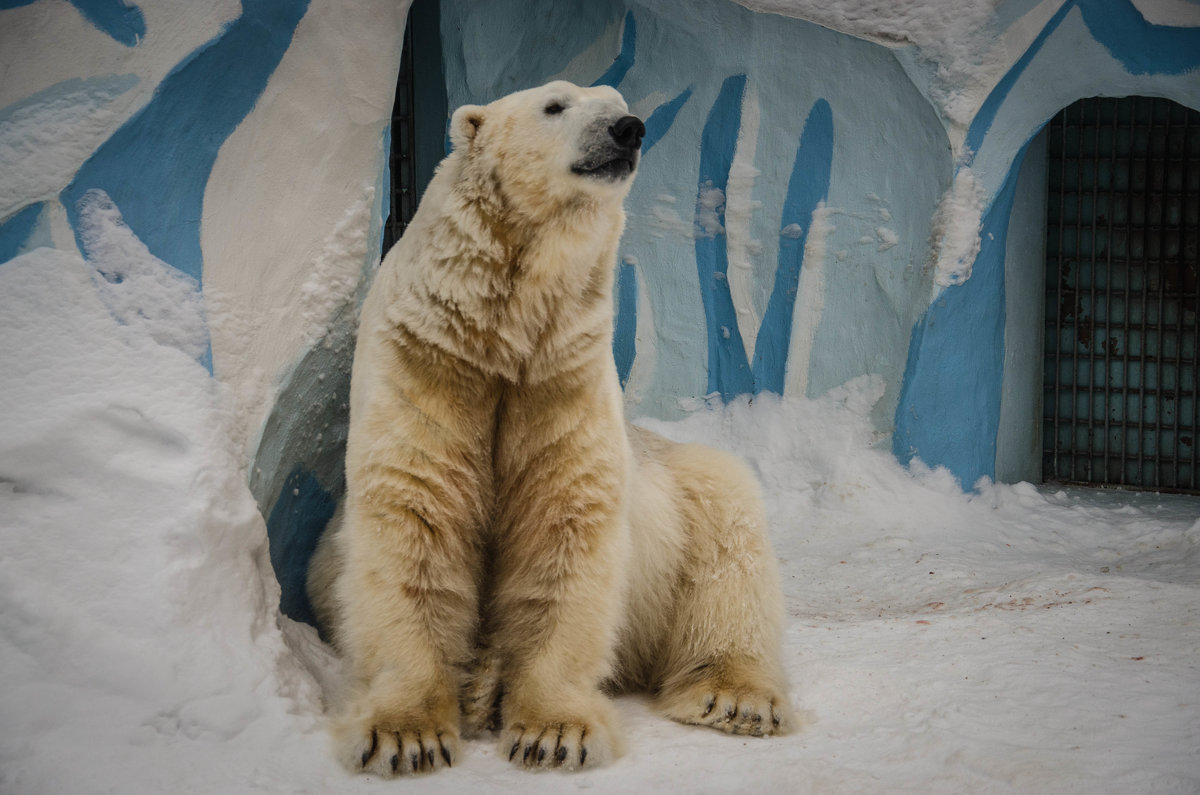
723 665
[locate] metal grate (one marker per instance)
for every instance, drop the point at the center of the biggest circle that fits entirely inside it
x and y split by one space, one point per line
1123 222
402 162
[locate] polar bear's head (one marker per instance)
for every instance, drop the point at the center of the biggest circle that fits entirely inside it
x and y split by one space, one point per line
551 146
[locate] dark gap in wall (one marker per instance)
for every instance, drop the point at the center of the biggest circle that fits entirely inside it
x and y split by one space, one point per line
1122 333
418 117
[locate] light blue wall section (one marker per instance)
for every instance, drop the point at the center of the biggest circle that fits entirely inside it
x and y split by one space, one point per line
809 115
1019 437
808 188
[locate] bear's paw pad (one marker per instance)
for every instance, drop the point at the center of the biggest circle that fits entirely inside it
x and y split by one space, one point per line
385 749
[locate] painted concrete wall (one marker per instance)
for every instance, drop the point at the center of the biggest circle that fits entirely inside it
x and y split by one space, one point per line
950 403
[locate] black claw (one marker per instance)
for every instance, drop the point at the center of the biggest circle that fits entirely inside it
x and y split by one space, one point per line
582 755
730 712
446 756
561 754
370 752
541 754
528 751
430 756
512 754
395 762
416 761
709 707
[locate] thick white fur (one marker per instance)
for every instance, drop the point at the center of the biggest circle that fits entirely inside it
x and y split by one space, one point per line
508 549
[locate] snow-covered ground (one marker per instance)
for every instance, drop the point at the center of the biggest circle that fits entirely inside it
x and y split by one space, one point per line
1017 639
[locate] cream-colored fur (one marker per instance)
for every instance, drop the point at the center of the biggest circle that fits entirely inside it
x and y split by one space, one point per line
508 549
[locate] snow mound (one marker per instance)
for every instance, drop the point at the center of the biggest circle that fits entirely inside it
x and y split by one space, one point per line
139 638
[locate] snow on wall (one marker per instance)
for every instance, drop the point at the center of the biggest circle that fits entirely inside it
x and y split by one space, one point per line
826 191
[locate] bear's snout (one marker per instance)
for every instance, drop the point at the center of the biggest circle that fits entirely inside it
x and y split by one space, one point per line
627 132
610 148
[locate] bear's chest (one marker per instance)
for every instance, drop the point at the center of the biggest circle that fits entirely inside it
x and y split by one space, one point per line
503 322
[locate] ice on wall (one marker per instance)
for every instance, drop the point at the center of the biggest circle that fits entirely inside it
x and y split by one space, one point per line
955 230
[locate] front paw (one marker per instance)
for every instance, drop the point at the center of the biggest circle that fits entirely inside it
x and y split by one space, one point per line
566 743
397 746
742 708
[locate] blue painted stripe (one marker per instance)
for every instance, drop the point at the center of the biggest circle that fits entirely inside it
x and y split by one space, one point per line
728 369
987 111
625 327
949 409
624 60
16 230
121 20
156 166
807 188
294 526
662 118
1142 48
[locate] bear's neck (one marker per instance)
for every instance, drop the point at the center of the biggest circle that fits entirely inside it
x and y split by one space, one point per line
511 296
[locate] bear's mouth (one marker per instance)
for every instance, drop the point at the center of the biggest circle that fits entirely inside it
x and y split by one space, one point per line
612 170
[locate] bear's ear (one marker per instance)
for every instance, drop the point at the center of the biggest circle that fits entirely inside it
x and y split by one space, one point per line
464 124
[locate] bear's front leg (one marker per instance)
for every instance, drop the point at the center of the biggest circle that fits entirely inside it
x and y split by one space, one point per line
563 541
409 590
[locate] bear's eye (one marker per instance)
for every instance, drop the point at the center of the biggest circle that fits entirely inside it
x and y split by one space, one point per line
554 108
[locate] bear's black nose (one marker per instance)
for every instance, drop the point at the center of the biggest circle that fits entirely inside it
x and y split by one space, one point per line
628 131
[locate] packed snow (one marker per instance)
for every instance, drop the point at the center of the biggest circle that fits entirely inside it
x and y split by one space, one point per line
1013 639
955 233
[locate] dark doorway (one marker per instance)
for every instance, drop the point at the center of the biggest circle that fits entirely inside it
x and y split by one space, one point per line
418 117
1123 222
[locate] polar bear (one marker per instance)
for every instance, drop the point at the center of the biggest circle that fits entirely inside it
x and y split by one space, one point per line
509 553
